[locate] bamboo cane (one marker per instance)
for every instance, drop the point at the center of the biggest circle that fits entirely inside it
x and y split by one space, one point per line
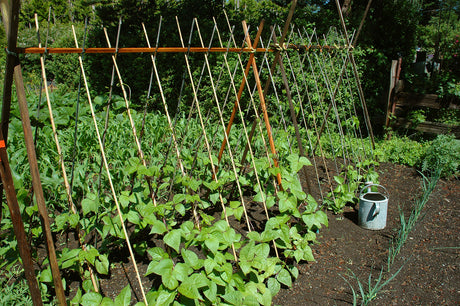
110 50
263 107
247 139
171 128
195 97
131 121
240 92
274 63
355 71
323 158
59 151
257 121
293 116
109 177
225 133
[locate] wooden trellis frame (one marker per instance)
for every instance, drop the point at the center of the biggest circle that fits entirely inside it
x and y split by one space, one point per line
10 11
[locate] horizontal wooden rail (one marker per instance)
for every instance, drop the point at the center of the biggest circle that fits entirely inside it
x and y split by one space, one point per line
136 50
404 99
430 127
300 48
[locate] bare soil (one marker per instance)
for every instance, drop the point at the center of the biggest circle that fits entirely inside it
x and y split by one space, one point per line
430 257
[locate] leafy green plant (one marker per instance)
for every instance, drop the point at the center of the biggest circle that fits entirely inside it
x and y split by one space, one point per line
14 289
348 184
416 117
401 150
442 154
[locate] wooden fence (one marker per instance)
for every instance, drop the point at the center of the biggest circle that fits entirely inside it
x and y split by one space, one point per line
401 103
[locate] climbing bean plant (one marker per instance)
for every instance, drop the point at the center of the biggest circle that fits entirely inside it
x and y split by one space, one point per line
211 262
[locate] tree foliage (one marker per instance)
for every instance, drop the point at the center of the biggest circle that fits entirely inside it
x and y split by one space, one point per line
392 29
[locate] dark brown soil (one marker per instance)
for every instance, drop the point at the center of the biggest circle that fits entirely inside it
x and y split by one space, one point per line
429 259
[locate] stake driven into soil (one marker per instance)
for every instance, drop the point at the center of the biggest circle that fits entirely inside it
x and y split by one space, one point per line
240 92
109 176
247 140
213 169
263 93
61 159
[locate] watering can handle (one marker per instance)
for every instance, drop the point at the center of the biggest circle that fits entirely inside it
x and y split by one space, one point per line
370 185
376 210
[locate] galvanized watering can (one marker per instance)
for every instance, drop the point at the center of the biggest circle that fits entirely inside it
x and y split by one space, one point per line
373 207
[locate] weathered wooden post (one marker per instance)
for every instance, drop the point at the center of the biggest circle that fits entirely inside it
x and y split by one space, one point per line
10 16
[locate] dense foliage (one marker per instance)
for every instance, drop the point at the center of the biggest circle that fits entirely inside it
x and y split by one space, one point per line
392 29
202 258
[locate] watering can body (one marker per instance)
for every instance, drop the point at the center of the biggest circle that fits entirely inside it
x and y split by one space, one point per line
373 208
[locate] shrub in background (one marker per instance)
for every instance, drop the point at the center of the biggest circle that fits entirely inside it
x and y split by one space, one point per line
444 153
401 150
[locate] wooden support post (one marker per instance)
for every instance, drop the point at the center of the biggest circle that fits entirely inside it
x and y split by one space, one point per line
240 92
394 65
36 183
272 70
293 116
263 105
10 14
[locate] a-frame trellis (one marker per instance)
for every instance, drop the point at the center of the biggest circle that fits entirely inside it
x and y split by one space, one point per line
307 114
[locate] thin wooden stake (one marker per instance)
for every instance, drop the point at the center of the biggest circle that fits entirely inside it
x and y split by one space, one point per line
355 71
61 159
225 134
133 126
37 186
53 126
195 97
109 177
293 116
247 139
274 63
165 105
263 107
240 91
173 132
